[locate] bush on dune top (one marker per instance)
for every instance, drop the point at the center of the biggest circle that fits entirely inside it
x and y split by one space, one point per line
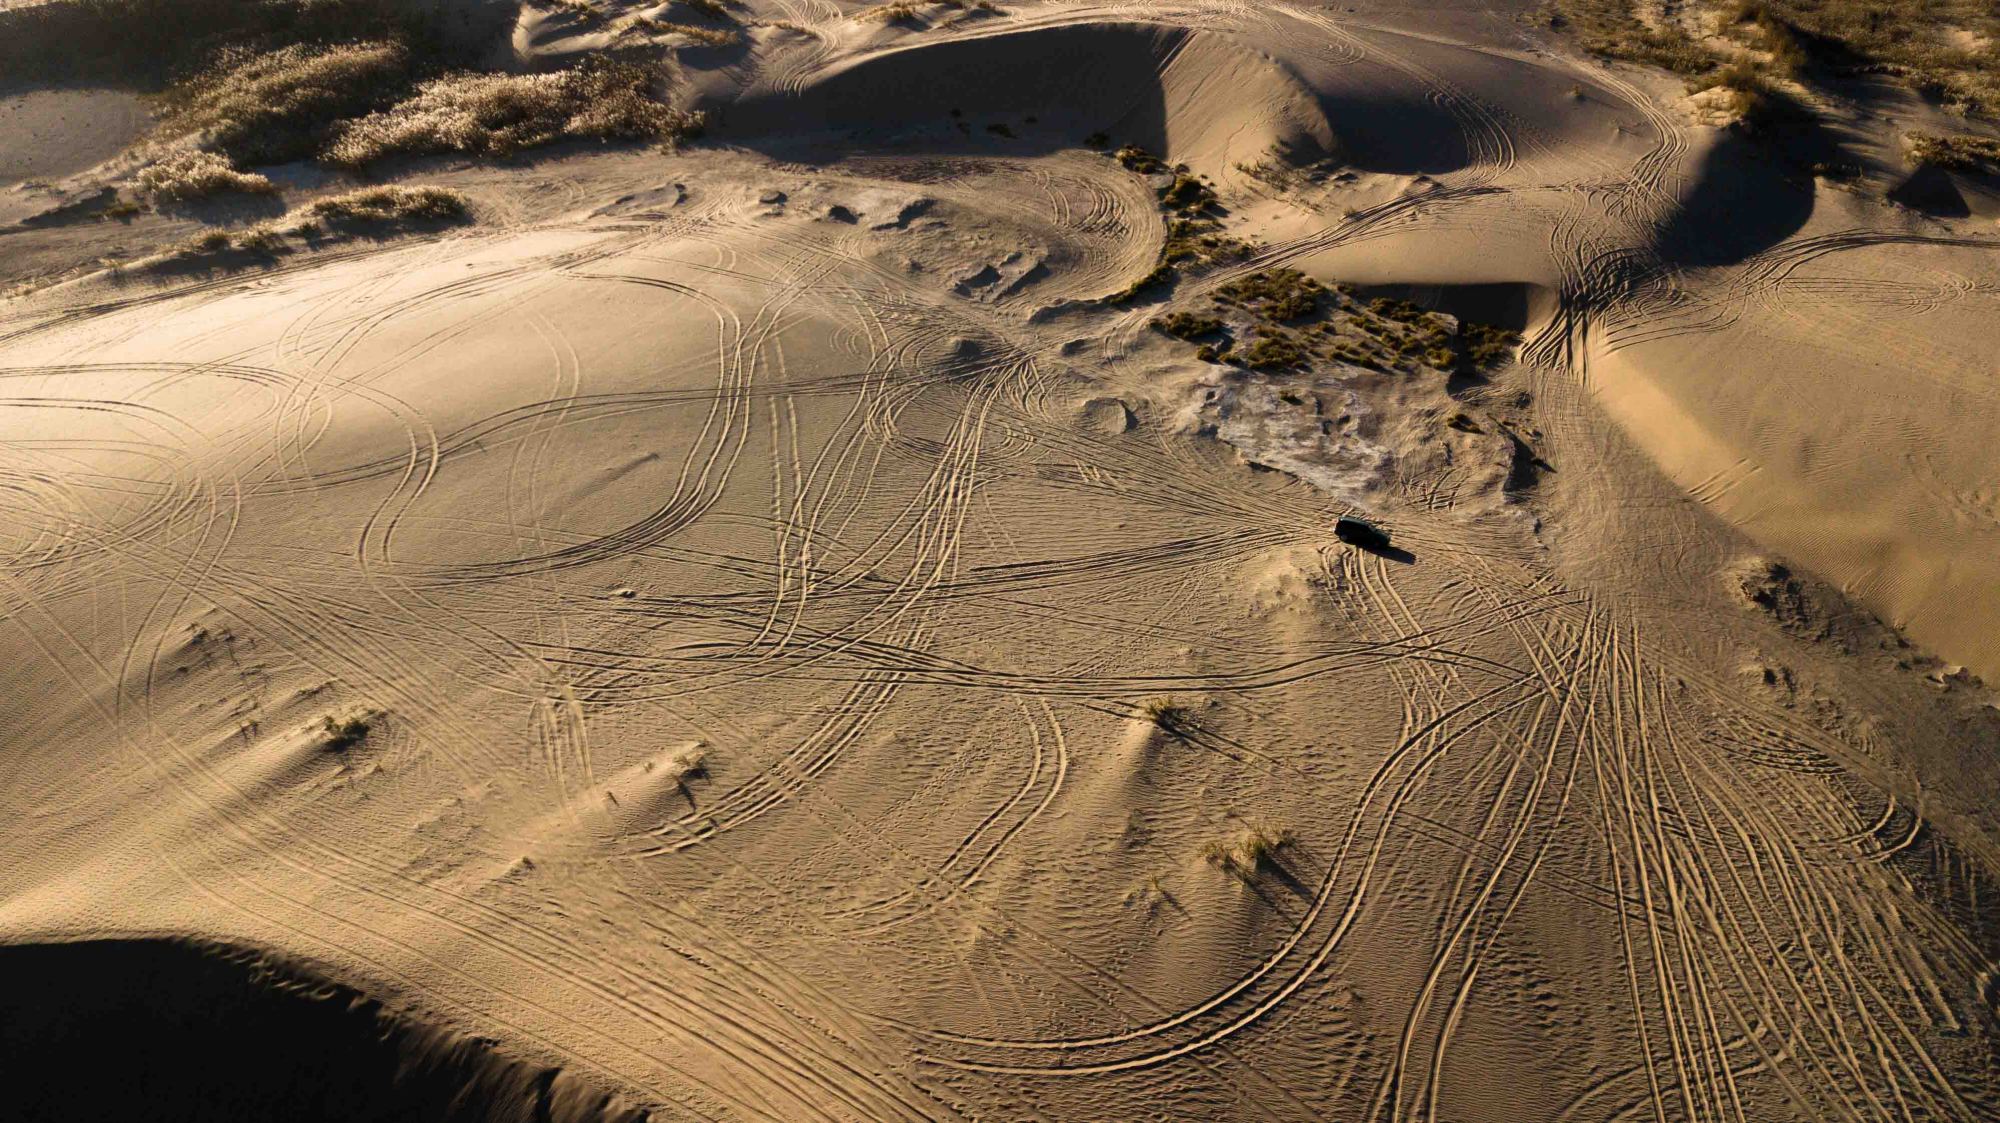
194 174
274 106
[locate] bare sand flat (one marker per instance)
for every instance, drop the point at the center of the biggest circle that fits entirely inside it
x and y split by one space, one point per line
846 619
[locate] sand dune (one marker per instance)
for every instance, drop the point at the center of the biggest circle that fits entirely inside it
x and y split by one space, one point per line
792 629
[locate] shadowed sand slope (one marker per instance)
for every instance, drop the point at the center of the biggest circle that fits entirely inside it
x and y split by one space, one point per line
1198 97
846 620
134 1029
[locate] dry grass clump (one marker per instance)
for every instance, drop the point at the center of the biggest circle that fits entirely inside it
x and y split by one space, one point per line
705 36
1249 851
371 212
1169 717
1959 152
194 174
1944 48
497 114
1612 28
344 735
898 11
273 106
1187 325
375 205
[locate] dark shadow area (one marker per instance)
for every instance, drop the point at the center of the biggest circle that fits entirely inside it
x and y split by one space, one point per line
1384 121
1742 200
1514 305
144 1031
1933 191
1526 467
141 44
1074 80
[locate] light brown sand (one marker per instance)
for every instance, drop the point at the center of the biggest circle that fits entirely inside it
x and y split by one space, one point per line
767 615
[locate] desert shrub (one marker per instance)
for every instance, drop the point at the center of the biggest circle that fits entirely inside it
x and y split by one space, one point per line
1169 717
688 762
1487 344
209 241
1187 325
1249 851
503 113
194 174
1961 152
1275 294
344 735
1158 275
274 106
1138 159
391 204
1273 349
1187 193
713 9
899 11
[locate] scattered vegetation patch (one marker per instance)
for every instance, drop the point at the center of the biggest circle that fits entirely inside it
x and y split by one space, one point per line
1942 48
194 174
273 106
498 114
1274 349
344 735
391 204
1291 321
1187 325
1248 852
1959 152
899 11
1137 159
1488 345
1195 239
1275 294
370 212
1153 278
